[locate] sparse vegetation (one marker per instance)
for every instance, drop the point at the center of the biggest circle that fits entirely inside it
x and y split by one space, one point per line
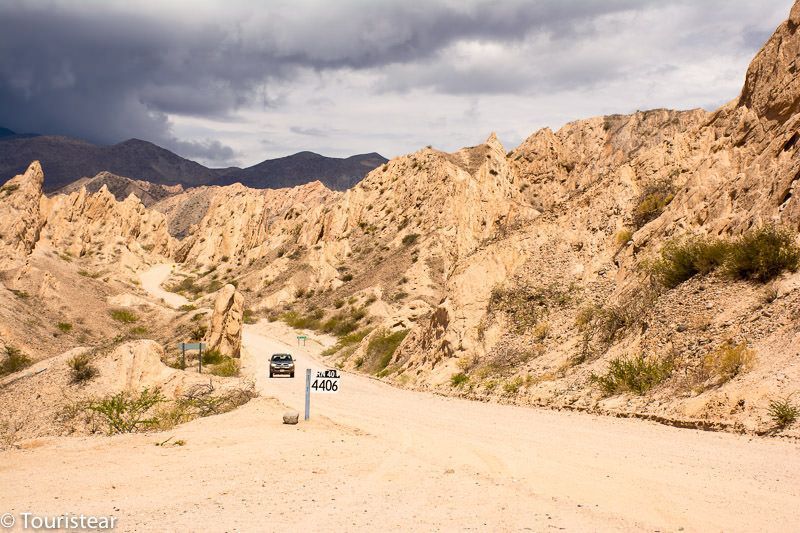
783 412
651 203
410 239
623 236
762 254
381 348
187 308
14 361
456 380
81 368
637 375
681 259
124 316
728 361
249 317
228 367
525 305
64 327
513 386
347 340
9 188
127 412
212 357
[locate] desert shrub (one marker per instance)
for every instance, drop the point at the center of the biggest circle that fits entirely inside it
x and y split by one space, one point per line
228 367
81 368
651 202
14 361
783 411
541 331
138 331
623 236
381 348
761 254
410 239
603 324
187 286
201 400
187 308
249 317
525 305
198 333
124 316
350 339
298 321
127 412
637 375
681 259
212 357
64 327
513 386
456 380
347 277
728 361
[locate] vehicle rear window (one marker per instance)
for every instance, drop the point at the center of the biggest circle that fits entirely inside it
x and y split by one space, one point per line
281 357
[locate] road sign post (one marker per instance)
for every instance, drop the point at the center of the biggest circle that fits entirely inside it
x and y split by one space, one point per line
302 338
308 393
192 346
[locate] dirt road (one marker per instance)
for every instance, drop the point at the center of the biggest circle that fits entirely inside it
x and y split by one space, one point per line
373 456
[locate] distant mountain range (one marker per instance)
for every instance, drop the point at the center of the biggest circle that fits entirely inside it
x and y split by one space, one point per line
66 160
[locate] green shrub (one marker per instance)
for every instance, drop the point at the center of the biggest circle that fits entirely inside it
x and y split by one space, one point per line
124 316
783 411
347 277
681 259
410 239
637 375
728 361
14 361
249 317
212 357
350 339
127 412
187 308
456 380
513 386
761 254
64 327
82 368
651 203
198 333
623 236
381 348
229 367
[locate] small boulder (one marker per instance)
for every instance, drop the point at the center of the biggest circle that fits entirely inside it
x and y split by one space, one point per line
291 417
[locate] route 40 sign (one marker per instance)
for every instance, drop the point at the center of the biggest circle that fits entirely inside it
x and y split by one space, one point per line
326 381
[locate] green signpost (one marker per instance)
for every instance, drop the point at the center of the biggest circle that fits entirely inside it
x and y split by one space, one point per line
192 346
302 338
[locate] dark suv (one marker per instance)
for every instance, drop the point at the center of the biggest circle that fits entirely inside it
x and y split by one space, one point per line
281 363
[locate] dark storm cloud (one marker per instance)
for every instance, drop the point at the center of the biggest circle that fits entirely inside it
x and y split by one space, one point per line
113 70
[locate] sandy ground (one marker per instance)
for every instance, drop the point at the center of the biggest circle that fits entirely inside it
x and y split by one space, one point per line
373 456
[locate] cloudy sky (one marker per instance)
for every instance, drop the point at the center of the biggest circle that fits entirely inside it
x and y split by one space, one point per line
239 81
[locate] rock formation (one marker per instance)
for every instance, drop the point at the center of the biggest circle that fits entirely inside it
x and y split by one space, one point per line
225 332
20 216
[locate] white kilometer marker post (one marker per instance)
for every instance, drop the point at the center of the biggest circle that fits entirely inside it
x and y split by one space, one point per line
326 382
308 393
